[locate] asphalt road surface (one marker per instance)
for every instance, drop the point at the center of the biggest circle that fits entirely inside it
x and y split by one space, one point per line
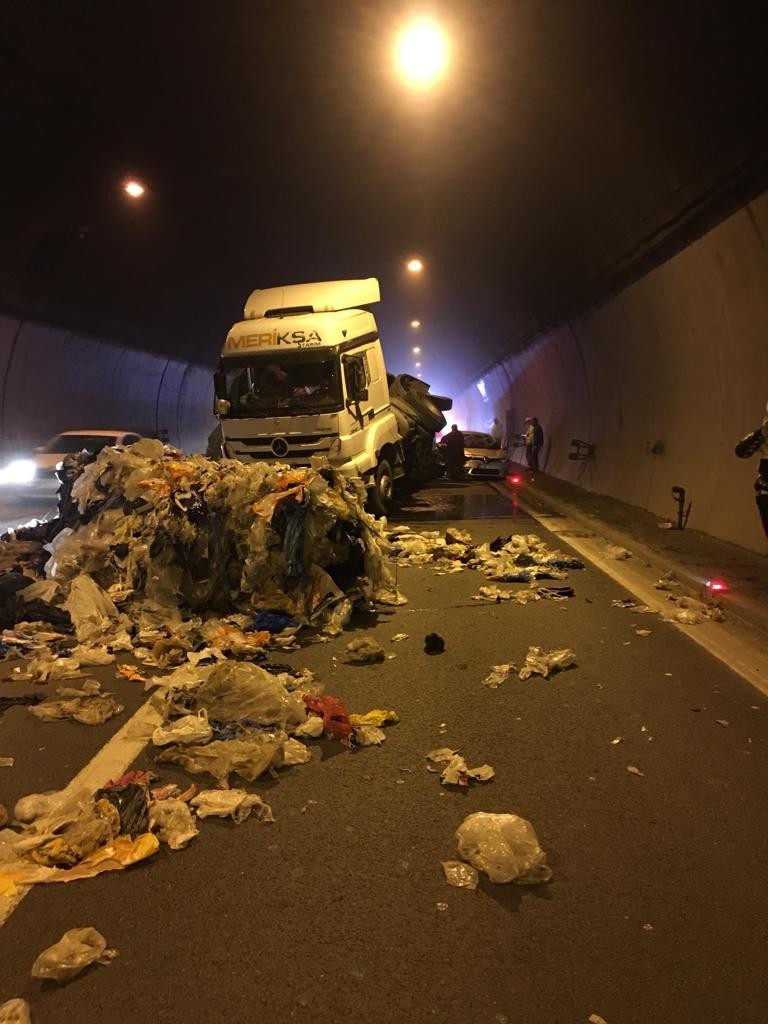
18 506
339 910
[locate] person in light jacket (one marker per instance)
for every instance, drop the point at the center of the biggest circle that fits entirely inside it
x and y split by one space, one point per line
750 445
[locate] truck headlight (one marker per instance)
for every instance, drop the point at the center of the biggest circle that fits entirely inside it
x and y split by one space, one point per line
221 406
20 471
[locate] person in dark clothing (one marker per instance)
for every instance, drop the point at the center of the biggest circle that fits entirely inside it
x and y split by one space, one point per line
534 442
755 442
453 445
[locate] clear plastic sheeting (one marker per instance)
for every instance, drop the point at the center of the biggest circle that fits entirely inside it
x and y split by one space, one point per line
539 662
187 729
236 804
504 847
248 758
77 949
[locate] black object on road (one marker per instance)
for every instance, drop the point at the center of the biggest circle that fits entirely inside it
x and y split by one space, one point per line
433 644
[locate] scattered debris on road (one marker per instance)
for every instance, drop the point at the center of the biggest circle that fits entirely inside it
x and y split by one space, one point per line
617 552
634 771
499 674
542 663
453 768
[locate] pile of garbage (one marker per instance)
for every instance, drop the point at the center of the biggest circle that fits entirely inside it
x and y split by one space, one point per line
164 554
224 720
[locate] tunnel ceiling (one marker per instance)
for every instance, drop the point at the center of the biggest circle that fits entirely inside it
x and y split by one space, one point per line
570 144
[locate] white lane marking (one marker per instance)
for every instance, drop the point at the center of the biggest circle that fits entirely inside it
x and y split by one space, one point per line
741 649
112 761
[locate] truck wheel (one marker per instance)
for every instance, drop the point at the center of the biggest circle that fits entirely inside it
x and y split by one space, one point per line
381 495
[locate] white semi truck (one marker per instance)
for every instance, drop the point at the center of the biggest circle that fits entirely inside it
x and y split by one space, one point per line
303 374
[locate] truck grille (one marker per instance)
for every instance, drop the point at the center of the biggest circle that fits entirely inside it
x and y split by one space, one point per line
297 450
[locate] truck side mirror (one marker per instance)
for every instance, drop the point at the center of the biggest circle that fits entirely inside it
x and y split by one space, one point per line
362 394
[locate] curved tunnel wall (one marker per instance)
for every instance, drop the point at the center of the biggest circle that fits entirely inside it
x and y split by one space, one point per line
681 358
52 380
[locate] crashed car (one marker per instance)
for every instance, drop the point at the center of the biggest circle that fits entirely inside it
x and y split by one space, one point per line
38 470
484 457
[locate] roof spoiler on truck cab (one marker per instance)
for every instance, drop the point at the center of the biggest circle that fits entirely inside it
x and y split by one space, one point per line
320 297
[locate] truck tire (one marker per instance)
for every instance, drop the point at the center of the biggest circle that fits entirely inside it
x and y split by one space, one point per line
381 495
215 449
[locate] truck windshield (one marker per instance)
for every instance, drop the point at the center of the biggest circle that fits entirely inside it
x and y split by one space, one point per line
280 383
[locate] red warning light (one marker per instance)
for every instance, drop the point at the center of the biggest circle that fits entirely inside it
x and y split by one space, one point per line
515 480
717 585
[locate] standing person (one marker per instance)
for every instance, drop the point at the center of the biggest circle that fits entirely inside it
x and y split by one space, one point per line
755 442
453 443
496 432
534 441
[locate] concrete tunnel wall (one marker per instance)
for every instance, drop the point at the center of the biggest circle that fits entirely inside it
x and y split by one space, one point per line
680 357
53 380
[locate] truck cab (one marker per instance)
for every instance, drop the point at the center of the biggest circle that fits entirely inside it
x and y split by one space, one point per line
303 374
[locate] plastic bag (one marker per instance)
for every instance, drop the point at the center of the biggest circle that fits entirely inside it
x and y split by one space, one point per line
92 655
91 610
312 728
75 950
541 663
295 752
235 691
364 651
172 820
231 803
15 1011
97 823
188 729
459 874
334 714
248 758
86 705
504 847
369 735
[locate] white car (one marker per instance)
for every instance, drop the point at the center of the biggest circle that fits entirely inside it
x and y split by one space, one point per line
484 456
40 468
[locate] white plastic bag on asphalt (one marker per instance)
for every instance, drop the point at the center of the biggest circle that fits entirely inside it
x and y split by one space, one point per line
231 803
504 847
75 950
188 729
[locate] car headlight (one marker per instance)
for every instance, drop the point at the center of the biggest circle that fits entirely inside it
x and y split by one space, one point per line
20 471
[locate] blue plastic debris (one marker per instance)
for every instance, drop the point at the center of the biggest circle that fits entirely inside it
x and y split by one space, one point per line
272 622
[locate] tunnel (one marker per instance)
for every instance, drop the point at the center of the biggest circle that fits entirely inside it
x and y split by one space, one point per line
660 382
